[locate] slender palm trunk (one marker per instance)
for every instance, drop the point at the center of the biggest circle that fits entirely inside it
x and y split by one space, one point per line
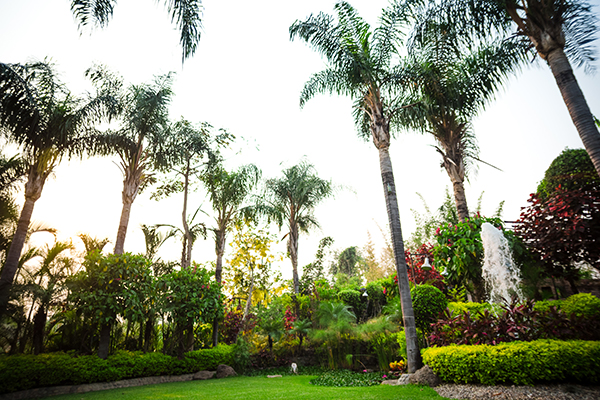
413 355
123 223
33 191
186 254
576 104
220 237
293 249
460 199
39 326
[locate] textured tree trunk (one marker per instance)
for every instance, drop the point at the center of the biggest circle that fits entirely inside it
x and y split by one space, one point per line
220 237
39 326
123 223
104 345
186 254
389 187
576 104
148 333
460 199
293 249
33 191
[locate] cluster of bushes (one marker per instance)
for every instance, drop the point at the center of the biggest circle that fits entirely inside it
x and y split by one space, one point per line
577 317
521 363
21 372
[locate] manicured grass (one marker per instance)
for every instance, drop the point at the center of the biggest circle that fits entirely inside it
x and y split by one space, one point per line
259 387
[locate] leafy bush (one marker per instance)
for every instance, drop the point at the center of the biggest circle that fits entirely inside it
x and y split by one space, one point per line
21 372
428 303
471 307
344 378
582 305
522 322
353 299
521 363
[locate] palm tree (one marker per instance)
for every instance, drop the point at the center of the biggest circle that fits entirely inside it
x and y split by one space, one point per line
187 13
138 143
155 239
558 30
360 66
38 113
455 83
291 201
227 191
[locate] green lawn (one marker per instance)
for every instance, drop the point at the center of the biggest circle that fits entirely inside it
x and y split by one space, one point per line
250 388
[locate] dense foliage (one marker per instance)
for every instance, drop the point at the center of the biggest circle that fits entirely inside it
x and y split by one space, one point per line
520 363
344 378
428 303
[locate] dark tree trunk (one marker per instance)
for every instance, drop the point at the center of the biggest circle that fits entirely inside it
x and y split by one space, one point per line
148 333
220 237
39 326
104 345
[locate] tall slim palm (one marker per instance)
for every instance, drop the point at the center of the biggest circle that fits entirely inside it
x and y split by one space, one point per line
291 201
454 83
138 142
38 113
360 65
228 191
557 30
187 13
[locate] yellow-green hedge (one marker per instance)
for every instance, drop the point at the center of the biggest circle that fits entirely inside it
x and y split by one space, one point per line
521 363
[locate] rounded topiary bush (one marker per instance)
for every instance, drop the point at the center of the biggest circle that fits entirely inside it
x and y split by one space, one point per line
353 299
428 303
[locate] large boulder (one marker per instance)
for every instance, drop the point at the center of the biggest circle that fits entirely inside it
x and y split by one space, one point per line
425 376
224 371
204 375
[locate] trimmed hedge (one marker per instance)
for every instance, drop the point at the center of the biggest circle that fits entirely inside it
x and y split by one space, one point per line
521 363
21 372
583 305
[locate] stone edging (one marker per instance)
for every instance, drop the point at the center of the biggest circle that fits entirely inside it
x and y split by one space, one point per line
94 387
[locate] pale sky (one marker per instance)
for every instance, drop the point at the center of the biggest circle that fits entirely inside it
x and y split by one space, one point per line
246 77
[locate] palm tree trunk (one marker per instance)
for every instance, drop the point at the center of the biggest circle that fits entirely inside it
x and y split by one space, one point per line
123 223
576 104
293 249
220 237
413 355
39 326
187 248
33 191
460 199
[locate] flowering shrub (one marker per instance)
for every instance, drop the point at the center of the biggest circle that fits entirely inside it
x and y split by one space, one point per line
232 324
289 318
398 365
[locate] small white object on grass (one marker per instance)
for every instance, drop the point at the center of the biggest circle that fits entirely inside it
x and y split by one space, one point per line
294 368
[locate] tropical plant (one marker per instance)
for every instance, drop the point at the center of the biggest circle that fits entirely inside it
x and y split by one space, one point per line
109 287
359 64
48 123
291 201
187 13
228 191
154 239
139 141
558 31
313 271
455 82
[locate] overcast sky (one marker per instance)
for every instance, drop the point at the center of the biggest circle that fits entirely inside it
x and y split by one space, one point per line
246 76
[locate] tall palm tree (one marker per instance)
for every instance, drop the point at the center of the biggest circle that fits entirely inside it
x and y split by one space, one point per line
558 31
187 13
291 201
227 191
454 83
359 64
38 113
138 142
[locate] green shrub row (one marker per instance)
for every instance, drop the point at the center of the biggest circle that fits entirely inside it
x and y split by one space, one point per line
582 305
521 363
21 372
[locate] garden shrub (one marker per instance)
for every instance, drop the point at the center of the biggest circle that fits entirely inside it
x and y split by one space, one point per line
582 305
428 303
353 299
21 372
521 363
472 307
345 378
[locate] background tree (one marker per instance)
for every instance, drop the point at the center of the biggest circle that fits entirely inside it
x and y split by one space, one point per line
359 64
558 31
39 114
13 172
291 201
187 13
315 270
455 81
228 191
138 142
